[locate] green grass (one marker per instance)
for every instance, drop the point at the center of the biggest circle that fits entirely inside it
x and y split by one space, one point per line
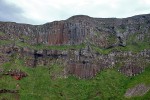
61 47
38 85
42 46
142 78
39 46
108 84
131 47
5 42
1 33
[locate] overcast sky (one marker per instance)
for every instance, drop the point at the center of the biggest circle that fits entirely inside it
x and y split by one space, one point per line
43 11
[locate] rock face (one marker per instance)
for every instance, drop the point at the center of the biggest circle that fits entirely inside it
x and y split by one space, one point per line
83 63
104 33
78 28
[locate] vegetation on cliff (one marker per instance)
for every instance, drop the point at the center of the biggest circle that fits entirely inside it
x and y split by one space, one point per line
81 58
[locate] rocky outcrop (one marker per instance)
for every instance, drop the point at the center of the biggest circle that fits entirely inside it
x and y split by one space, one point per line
77 29
19 41
138 90
84 62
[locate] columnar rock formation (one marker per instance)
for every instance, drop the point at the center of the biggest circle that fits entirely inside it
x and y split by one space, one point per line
78 28
83 63
104 33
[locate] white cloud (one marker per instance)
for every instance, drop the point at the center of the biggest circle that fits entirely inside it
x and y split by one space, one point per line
43 11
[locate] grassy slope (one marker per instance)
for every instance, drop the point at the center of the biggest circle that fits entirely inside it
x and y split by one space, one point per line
107 85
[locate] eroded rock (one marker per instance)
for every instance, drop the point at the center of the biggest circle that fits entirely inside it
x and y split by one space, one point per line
138 90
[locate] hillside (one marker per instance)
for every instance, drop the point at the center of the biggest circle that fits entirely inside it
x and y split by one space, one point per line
81 58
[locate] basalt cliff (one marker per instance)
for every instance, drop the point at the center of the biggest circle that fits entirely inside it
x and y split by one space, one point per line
81 44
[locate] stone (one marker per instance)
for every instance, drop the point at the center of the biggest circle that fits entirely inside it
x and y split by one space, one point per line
138 90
